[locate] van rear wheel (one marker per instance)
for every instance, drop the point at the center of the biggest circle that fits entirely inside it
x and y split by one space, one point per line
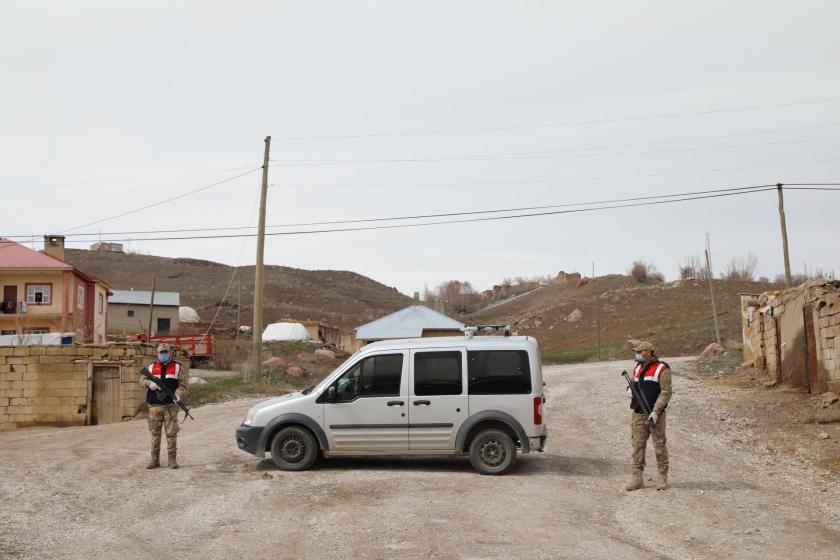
294 449
492 452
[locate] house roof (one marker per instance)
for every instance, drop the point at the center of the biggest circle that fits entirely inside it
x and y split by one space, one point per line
406 323
142 297
15 255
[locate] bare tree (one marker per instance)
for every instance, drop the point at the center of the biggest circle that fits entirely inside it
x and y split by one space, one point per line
645 273
741 268
692 267
458 295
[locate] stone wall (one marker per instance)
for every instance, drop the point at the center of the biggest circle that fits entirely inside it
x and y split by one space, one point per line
828 323
52 385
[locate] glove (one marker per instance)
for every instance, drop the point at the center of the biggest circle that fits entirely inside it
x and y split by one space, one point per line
177 398
653 417
153 386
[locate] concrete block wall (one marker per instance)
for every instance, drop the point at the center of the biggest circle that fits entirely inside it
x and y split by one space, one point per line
829 340
49 385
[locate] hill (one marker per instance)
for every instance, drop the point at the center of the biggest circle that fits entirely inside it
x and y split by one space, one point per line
341 298
677 316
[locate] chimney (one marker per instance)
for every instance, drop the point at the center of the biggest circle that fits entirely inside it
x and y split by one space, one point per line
416 298
54 246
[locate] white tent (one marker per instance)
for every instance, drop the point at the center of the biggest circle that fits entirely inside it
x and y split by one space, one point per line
188 315
276 332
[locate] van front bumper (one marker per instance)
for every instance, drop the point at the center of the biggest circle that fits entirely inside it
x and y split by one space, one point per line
248 439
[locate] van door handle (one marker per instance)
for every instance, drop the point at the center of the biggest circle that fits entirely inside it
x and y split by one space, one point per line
418 403
396 403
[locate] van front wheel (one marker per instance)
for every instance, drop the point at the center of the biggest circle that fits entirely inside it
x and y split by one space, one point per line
492 452
294 449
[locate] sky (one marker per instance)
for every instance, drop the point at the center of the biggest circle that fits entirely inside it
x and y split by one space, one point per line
110 107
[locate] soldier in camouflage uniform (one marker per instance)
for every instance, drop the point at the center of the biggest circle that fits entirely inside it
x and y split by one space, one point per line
652 379
163 412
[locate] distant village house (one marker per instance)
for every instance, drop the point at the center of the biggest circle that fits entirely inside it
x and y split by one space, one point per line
131 310
43 294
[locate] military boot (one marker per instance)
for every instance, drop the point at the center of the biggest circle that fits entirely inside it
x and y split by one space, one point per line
662 483
154 462
636 481
173 463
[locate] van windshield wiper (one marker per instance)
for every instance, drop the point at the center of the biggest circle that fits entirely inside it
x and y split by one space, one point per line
308 390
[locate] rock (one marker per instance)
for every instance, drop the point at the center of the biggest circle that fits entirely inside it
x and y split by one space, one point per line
274 363
823 435
748 364
769 384
324 353
827 399
537 324
713 350
574 316
197 381
295 371
268 476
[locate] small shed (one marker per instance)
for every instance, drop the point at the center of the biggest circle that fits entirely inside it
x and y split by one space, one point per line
412 322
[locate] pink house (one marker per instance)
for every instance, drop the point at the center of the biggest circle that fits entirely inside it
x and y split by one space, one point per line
44 294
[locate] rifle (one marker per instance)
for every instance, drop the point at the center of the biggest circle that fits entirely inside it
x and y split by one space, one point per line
640 398
167 392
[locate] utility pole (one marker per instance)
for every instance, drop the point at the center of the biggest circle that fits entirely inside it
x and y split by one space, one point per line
784 233
152 306
238 303
598 322
711 286
258 269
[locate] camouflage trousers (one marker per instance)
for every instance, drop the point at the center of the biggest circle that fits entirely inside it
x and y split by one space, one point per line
640 433
164 417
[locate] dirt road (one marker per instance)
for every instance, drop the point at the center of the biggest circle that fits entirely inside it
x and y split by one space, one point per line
83 493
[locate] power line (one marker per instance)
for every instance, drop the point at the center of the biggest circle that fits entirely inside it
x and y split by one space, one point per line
123 180
459 221
535 155
183 195
558 124
423 216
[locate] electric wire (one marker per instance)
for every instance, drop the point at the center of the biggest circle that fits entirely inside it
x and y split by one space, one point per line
158 203
446 222
558 124
424 216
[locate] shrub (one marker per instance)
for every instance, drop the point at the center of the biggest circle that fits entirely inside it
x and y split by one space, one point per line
645 273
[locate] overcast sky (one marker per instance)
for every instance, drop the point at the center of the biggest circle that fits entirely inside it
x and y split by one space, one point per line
97 92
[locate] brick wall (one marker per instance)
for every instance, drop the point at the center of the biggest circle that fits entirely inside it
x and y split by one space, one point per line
51 385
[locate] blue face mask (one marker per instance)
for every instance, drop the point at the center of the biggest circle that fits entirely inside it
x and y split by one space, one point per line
640 358
163 357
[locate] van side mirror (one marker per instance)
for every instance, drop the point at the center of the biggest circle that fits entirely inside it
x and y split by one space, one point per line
332 395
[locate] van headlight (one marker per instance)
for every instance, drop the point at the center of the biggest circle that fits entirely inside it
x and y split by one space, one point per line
249 418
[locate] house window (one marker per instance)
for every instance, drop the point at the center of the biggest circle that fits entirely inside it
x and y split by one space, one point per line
100 303
80 297
131 313
37 330
163 325
38 294
6 332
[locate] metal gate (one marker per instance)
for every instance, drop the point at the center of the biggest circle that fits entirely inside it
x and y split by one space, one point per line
105 405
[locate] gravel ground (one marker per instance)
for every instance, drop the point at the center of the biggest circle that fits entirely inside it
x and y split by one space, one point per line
83 492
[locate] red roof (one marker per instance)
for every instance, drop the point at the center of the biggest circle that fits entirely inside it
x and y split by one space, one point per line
15 255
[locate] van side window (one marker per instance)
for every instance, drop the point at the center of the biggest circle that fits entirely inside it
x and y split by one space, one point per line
437 373
375 376
499 372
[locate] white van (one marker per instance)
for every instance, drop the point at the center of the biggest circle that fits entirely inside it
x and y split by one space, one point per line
480 396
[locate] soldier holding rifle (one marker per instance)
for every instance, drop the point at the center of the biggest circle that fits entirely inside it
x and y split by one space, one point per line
649 391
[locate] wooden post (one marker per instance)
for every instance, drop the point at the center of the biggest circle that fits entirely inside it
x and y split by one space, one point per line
258 269
239 303
598 321
711 287
784 233
152 307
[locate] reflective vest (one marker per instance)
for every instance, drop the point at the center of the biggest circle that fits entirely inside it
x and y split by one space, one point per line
168 375
646 379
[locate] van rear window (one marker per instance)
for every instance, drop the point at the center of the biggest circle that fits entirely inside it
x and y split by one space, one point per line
499 372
